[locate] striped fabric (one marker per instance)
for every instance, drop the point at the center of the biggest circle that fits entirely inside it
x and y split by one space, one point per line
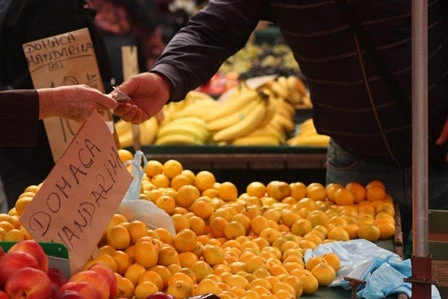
324 46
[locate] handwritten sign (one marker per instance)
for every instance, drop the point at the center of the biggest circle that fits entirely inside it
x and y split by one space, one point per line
64 59
81 193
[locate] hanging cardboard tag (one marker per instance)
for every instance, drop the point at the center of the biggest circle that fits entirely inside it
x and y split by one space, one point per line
80 195
129 58
64 59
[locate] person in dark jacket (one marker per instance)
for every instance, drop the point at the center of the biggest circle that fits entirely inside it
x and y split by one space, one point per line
370 131
22 109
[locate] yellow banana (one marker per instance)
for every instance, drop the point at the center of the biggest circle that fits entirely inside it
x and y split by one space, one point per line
246 125
195 95
178 139
238 100
256 140
271 110
286 123
279 89
197 109
231 119
148 131
190 120
124 133
170 129
315 140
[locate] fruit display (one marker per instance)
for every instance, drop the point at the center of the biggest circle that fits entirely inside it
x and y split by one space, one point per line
247 116
231 243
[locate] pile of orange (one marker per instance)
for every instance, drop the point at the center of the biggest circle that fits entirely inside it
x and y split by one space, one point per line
247 245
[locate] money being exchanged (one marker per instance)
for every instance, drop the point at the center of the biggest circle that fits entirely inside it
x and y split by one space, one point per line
119 95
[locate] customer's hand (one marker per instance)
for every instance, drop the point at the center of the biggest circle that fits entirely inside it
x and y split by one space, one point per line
149 92
75 102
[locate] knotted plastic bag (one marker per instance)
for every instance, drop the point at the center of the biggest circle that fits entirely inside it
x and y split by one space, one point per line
134 208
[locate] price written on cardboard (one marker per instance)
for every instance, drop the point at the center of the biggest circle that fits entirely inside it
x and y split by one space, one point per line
81 193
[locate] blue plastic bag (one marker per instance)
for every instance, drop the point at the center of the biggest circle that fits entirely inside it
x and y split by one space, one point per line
382 270
134 208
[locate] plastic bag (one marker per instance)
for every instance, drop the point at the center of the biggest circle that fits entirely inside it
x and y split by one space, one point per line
382 270
134 208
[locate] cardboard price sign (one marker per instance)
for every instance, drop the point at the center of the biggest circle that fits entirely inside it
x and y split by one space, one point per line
64 59
81 193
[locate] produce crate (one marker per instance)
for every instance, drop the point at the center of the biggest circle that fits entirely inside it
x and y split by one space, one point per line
438 248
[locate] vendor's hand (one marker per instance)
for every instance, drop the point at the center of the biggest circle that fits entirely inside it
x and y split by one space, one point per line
149 92
443 138
75 102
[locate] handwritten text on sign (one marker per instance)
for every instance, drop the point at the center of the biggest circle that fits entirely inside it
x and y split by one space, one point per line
64 59
78 198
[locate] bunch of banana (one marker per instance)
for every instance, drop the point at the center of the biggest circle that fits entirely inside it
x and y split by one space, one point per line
195 104
188 130
148 130
238 115
308 136
291 89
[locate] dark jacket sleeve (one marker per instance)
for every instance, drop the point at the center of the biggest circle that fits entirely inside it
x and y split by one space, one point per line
19 117
216 32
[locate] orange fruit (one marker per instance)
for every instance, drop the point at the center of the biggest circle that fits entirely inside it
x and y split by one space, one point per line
331 189
153 167
257 189
160 180
217 226
201 269
343 196
197 224
375 193
202 208
333 259
316 191
137 229
144 289
133 272
166 203
234 229
180 222
153 276
168 256
259 223
227 191
369 231
164 273
122 260
324 273
185 240
179 181
213 254
318 217
118 237
186 195
278 189
387 230
204 180
125 155
125 288
180 289
310 283
146 253
172 168
375 183
313 261
358 191
338 233
298 190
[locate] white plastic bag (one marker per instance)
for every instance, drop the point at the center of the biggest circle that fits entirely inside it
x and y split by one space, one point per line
134 208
